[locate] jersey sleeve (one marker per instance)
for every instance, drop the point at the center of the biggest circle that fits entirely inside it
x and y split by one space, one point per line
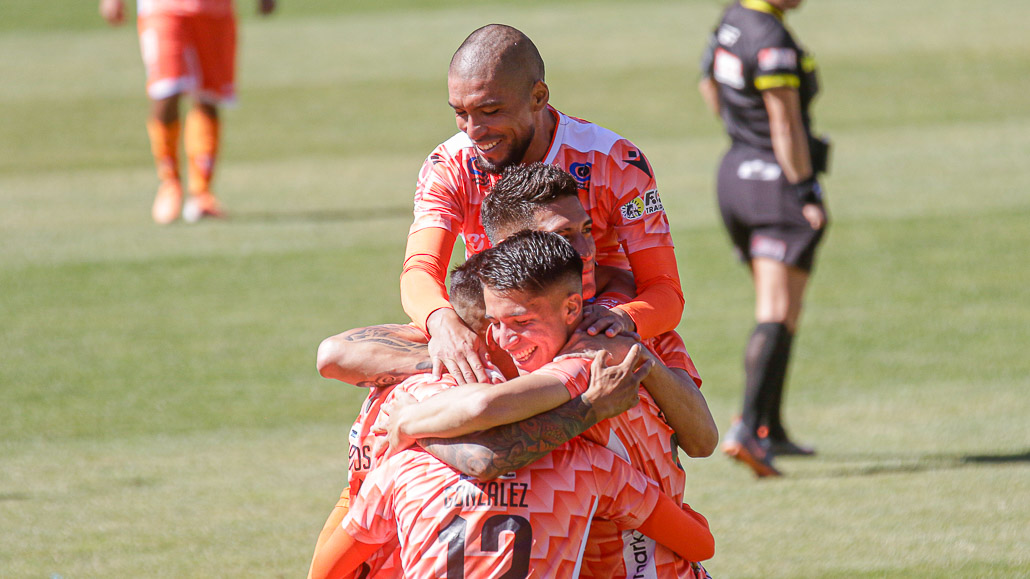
679 528
642 229
438 215
671 350
370 519
438 200
573 372
777 62
422 278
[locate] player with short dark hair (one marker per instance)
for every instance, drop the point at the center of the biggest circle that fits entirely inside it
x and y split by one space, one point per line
762 82
533 299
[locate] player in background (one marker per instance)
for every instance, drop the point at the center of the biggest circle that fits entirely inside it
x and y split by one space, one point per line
532 289
496 87
188 46
530 523
762 82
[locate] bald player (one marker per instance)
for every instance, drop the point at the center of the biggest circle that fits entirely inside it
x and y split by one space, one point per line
496 88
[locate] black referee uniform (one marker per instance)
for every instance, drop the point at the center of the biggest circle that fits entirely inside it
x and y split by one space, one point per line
750 51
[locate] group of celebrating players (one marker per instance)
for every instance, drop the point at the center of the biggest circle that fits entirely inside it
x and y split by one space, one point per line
528 422
547 394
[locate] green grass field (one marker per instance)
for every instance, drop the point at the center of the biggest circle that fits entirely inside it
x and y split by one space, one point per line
160 414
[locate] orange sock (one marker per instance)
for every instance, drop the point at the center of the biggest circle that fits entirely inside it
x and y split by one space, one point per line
201 149
164 144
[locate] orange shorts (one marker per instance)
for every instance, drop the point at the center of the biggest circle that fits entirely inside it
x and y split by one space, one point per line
189 53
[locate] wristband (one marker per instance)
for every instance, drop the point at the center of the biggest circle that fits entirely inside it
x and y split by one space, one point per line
807 191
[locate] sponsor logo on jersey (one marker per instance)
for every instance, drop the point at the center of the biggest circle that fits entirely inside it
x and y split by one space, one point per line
633 210
636 158
482 179
581 173
728 35
762 246
436 158
652 202
777 59
758 170
728 69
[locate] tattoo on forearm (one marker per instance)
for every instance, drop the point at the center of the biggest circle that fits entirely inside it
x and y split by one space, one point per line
392 378
502 449
384 336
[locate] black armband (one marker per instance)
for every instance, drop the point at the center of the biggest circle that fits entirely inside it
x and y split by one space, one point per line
807 191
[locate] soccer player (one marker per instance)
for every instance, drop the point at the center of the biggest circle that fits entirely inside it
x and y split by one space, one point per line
532 288
762 83
493 453
531 523
188 46
496 87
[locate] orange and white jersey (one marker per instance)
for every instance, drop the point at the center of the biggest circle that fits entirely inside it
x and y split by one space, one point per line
616 186
671 350
641 436
184 7
529 523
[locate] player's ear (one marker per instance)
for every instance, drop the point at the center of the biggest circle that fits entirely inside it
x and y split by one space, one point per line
539 96
572 309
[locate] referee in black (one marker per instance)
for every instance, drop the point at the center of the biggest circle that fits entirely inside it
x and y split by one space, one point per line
761 82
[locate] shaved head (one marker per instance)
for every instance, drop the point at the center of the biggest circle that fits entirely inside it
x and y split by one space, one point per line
498 51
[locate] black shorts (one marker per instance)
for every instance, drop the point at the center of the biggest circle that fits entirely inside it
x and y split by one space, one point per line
761 215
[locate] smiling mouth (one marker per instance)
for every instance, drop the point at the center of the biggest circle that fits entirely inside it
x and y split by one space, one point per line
524 355
488 146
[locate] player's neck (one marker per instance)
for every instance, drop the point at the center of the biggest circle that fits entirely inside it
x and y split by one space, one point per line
543 137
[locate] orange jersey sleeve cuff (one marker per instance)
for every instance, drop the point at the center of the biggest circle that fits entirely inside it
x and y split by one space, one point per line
340 555
658 306
683 530
423 289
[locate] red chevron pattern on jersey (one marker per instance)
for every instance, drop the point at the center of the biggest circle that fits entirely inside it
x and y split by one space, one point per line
532 522
641 436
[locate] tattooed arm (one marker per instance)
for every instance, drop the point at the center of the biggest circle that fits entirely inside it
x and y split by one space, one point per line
491 453
374 356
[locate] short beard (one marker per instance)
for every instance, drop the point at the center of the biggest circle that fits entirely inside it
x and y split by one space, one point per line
518 152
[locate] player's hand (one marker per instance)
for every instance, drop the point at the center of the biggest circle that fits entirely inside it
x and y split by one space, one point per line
583 343
614 389
389 424
815 215
454 348
113 11
266 6
599 319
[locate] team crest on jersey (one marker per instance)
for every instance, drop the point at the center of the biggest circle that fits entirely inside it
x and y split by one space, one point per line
777 59
728 35
581 173
482 179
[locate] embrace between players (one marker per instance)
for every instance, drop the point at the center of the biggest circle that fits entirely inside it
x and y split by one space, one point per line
528 422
